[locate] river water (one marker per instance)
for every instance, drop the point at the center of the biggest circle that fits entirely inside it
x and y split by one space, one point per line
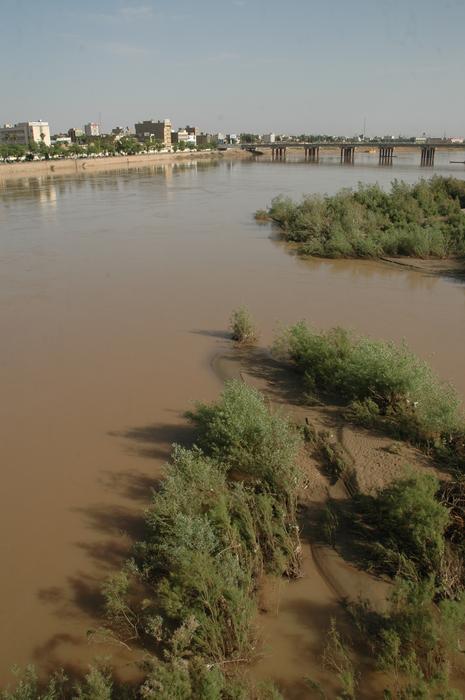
115 293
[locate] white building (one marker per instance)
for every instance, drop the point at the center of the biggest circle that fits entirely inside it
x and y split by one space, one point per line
268 138
92 129
25 133
182 135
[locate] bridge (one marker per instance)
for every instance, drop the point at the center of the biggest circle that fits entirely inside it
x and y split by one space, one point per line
348 149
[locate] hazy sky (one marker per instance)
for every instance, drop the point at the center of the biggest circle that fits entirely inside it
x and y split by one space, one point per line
293 66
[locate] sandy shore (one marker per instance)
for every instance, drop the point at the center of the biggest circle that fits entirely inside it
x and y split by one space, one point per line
80 165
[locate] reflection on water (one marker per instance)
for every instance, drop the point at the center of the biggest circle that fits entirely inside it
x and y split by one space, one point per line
357 270
46 188
104 278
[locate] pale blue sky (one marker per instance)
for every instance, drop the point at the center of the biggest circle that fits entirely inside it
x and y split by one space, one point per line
237 65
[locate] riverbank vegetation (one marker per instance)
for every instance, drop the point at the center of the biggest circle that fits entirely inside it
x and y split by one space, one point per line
403 532
226 515
420 220
87 147
243 329
412 529
383 385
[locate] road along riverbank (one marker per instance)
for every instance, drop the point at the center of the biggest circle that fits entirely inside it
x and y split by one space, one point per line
80 165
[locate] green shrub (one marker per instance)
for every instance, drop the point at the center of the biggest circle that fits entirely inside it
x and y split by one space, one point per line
378 378
408 521
336 658
179 679
242 327
365 412
250 439
225 512
419 220
97 685
28 686
418 639
261 215
194 559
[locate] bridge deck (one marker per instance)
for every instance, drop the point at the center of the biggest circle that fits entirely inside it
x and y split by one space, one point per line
351 144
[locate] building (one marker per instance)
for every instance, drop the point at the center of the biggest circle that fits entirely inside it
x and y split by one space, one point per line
26 133
61 139
183 135
268 138
92 129
193 130
203 139
161 131
75 134
122 131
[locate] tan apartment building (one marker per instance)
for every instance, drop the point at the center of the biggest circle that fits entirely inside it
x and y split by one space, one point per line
161 131
25 133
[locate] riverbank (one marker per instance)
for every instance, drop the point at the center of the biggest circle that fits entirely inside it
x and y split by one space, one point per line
82 165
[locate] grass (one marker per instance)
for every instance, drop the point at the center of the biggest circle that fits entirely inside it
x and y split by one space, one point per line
420 220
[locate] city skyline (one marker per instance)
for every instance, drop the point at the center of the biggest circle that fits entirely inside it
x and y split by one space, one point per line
246 65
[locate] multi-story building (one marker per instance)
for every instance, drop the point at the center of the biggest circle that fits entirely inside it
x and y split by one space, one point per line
203 139
182 135
26 133
75 134
193 130
268 138
92 129
161 131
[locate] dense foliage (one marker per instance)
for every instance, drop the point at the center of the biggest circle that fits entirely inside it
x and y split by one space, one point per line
387 384
421 220
104 145
404 526
225 513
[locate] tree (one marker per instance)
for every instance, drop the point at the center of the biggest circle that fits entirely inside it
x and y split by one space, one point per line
249 138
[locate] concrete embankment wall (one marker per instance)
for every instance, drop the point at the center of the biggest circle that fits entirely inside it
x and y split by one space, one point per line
82 165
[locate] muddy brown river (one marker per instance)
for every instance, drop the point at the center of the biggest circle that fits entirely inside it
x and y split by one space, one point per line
115 293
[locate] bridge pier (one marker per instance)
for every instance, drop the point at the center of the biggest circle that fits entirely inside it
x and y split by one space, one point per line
278 153
386 154
348 154
427 156
312 154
